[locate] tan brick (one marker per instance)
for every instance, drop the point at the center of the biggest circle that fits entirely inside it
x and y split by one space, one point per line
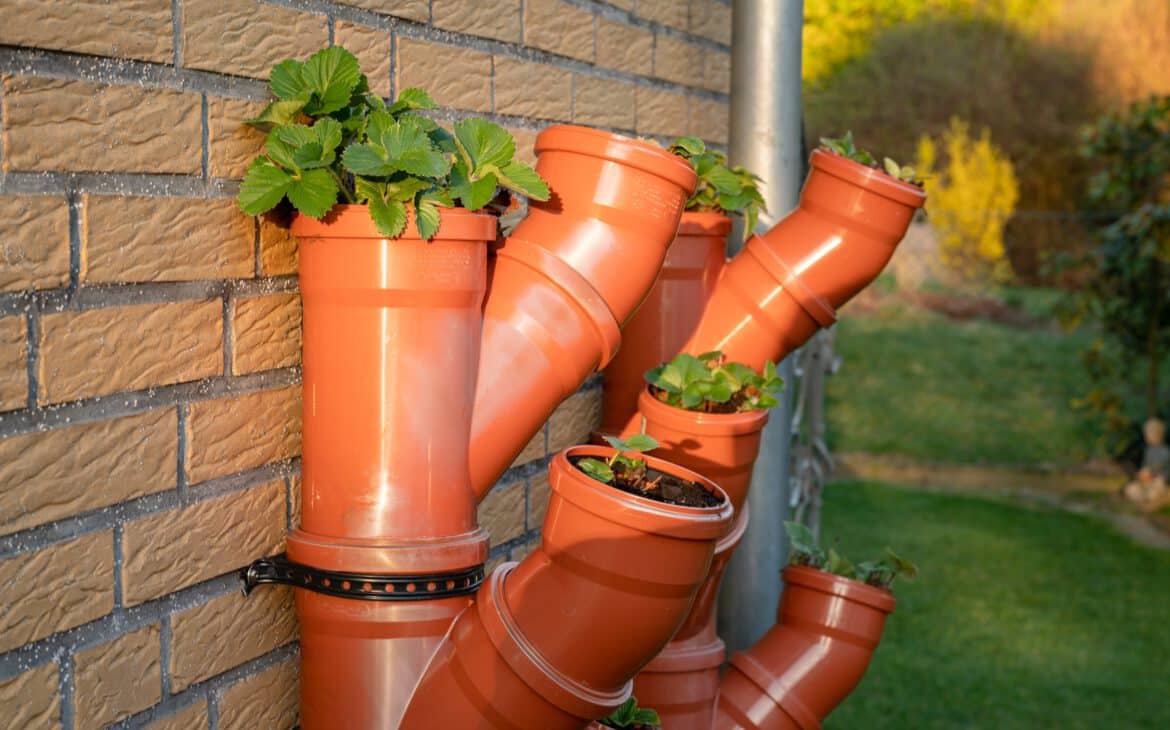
247 38
13 369
678 61
267 700
660 112
372 48
667 12
119 678
558 27
256 625
625 47
54 589
711 19
525 140
533 450
50 475
454 77
231 144
708 120
34 242
522 551
278 248
717 71
104 351
603 102
493 563
232 434
498 19
76 126
175 549
538 494
527 89
165 239
30 699
192 718
121 29
501 512
266 333
409 9
623 4
572 421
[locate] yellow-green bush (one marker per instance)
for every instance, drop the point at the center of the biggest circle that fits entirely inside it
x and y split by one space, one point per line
970 197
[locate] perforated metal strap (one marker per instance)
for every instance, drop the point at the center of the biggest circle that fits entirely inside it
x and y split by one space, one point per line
361 586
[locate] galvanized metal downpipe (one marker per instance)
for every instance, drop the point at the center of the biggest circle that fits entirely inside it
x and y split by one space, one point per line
766 138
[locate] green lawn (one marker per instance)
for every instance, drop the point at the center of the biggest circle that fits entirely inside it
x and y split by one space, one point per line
918 384
1020 618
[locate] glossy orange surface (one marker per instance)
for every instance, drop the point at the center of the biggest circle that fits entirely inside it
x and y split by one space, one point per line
612 580
826 632
721 446
790 281
564 281
668 314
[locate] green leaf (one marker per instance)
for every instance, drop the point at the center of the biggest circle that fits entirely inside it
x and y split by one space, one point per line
426 214
801 539
646 716
484 142
277 113
523 179
690 145
281 152
389 216
472 194
641 442
412 98
264 186
313 193
287 81
838 565
597 469
331 74
365 159
295 135
724 180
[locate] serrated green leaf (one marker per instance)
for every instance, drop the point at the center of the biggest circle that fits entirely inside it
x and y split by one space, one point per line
690 145
365 159
264 186
891 167
332 74
597 469
646 716
389 216
724 180
281 152
836 564
485 143
313 193
426 214
523 179
641 442
412 98
473 194
276 114
287 81
295 135
405 188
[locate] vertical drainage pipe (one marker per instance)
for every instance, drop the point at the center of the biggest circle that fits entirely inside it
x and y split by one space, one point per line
765 138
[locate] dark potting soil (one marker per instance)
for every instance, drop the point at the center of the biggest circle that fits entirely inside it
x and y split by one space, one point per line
662 487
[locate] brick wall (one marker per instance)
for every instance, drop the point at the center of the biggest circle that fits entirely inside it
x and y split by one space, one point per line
149 331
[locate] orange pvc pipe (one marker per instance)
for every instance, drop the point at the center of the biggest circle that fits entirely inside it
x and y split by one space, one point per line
668 315
554 641
790 281
391 348
565 280
826 632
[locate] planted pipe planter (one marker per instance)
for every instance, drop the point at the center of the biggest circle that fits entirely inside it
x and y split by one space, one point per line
790 281
826 632
566 279
554 641
391 347
668 315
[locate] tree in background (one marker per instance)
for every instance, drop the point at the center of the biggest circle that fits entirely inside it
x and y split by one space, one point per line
1129 293
969 200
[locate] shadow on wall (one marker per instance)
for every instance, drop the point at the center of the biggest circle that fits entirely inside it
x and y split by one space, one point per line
1033 93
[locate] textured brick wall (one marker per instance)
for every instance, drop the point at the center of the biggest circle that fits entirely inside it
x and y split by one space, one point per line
150 333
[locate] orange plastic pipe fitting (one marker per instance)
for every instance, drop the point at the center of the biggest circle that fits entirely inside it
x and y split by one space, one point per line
790 281
668 315
566 279
826 632
391 348
553 642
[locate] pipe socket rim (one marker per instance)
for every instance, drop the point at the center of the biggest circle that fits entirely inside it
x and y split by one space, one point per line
697 423
352 220
618 148
835 585
869 178
703 223
402 556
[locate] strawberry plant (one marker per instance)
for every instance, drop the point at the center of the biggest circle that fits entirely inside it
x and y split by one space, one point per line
331 140
845 147
721 189
804 550
620 464
709 384
630 715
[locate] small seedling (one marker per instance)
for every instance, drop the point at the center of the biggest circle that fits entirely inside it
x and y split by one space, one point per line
630 714
845 147
330 139
629 468
905 173
721 189
709 384
804 551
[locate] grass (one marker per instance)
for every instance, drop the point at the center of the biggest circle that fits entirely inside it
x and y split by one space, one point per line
917 384
1020 618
